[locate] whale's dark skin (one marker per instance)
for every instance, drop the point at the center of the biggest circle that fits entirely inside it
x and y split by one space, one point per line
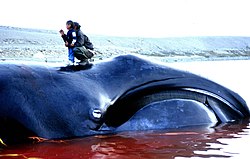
109 96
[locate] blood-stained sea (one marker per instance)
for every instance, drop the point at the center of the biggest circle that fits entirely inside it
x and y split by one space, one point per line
223 141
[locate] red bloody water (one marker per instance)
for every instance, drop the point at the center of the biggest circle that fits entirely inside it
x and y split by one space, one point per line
203 143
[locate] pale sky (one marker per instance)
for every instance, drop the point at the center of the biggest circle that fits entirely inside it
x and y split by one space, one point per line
147 18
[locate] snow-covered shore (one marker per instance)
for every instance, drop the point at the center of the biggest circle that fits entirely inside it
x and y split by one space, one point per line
22 43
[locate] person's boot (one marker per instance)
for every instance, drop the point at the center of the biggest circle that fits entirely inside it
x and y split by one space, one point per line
83 62
70 63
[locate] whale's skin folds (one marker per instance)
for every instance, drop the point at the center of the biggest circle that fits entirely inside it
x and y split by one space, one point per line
64 102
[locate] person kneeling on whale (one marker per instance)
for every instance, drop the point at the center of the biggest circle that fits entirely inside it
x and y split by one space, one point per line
83 48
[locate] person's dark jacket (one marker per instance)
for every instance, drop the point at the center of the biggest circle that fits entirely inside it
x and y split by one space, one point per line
83 40
70 37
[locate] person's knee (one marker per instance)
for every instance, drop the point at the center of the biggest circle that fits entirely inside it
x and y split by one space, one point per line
89 54
79 54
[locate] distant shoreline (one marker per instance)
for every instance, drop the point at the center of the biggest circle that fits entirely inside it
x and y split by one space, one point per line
47 45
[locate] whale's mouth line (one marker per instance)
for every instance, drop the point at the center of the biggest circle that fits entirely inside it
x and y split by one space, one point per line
157 83
140 96
214 96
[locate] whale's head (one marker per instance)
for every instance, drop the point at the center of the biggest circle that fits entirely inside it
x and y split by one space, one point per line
124 93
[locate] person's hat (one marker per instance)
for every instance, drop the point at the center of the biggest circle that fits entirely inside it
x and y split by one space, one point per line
77 25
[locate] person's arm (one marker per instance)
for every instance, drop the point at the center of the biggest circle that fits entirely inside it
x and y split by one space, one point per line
63 35
79 39
73 38
87 43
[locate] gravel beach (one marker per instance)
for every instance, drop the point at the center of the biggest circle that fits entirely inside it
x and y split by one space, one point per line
47 45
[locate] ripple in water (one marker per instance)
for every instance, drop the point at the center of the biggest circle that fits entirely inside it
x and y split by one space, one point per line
224 141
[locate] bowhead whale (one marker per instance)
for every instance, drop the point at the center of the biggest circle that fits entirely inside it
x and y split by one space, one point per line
126 92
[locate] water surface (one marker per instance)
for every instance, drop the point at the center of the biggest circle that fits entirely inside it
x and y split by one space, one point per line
224 141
